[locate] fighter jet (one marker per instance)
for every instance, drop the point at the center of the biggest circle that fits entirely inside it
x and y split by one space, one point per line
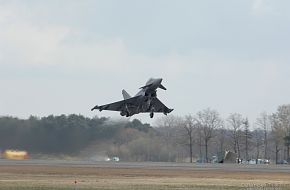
145 101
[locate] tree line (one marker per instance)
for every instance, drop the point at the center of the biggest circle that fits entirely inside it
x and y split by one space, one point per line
176 139
59 134
206 134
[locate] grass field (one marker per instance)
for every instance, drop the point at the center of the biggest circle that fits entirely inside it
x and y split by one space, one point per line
38 177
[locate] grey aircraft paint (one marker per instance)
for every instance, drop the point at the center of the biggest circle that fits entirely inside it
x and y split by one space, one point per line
145 101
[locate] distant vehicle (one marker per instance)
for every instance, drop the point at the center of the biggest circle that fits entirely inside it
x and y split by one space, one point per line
116 159
15 155
214 159
266 161
258 161
201 161
262 161
252 161
145 101
282 162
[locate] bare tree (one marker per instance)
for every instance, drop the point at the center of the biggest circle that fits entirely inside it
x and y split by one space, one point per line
283 115
257 137
264 123
247 136
199 141
221 137
277 134
208 120
168 127
189 126
235 122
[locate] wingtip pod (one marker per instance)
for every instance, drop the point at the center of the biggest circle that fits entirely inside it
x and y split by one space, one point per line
168 111
96 107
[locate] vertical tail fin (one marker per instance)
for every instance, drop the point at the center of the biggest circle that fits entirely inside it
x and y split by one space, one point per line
125 95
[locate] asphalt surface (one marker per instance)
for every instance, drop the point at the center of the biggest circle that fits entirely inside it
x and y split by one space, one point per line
154 165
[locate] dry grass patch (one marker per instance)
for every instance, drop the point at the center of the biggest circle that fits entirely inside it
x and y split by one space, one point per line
64 177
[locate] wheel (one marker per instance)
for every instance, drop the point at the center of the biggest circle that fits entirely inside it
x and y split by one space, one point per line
151 114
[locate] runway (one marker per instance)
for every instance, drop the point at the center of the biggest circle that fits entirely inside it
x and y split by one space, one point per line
153 165
63 174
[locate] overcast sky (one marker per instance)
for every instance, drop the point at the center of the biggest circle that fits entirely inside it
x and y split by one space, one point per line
66 56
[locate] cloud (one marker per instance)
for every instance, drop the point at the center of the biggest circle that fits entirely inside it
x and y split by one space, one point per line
261 7
25 42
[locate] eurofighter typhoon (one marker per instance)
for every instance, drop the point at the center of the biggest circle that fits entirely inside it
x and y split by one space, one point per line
145 101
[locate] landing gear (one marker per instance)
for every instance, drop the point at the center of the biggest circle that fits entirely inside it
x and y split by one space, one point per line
152 109
125 113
